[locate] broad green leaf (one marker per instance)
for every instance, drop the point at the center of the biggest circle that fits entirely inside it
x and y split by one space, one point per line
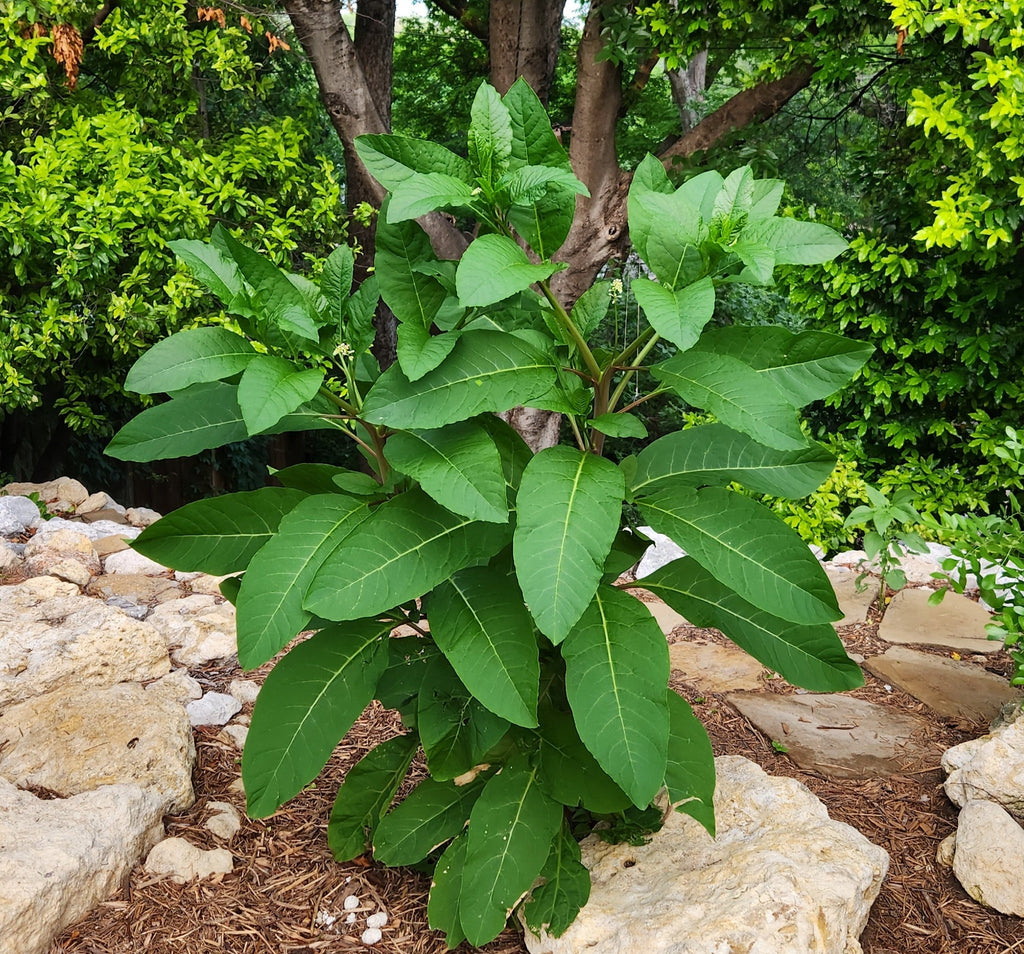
413 295
797 243
679 316
737 194
189 357
619 425
616 672
336 283
365 795
358 484
494 268
804 367
480 623
312 478
490 134
650 176
419 352
445 888
486 371
758 259
211 266
197 419
569 773
627 550
456 731
510 833
533 141
404 548
272 387
748 548
591 307
362 306
554 904
218 535
512 450
420 194
714 454
690 773
393 159
766 198
736 394
807 655
432 814
399 686
307 704
527 184
457 465
270 611
568 512
545 224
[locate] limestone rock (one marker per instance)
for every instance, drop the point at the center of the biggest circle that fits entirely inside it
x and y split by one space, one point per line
51 635
957 622
990 768
225 822
986 860
128 561
141 516
244 690
181 861
854 602
59 858
668 619
107 545
8 559
711 667
99 501
200 629
177 685
207 585
75 740
135 587
17 514
780 877
51 553
944 853
214 708
94 531
63 488
235 734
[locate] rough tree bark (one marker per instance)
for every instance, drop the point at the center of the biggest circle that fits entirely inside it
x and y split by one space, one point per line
688 85
523 40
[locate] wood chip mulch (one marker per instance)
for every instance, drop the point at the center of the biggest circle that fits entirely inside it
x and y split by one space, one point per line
286 894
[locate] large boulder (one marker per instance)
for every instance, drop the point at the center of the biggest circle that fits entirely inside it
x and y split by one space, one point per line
781 877
987 851
51 635
76 740
61 857
63 490
17 514
989 768
197 628
66 554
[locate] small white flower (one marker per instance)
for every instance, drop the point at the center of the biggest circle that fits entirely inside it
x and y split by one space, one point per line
344 350
351 903
371 936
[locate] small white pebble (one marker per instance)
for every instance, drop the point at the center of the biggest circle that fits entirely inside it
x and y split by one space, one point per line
325 919
351 903
887 687
377 920
347 880
371 936
351 919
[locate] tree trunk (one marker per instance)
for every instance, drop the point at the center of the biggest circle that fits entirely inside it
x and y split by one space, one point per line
688 86
524 38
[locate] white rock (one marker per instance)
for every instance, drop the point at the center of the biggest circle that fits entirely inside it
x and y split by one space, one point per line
371 935
59 858
63 488
128 561
990 768
76 740
944 853
99 501
57 551
177 685
987 853
17 514
94 531
351 902
377 920
207 585
181 861
780 878
200 629
51 635
141 516
215 708
244 690
225 822
663 550
236 734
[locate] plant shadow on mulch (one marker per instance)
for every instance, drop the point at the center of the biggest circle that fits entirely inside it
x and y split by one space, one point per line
286 884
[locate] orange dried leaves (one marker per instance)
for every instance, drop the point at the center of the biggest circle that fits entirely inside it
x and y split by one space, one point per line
67 50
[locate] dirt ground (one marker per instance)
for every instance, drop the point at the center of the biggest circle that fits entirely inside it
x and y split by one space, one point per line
285 879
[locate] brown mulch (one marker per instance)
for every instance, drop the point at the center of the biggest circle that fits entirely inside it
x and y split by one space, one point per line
286 884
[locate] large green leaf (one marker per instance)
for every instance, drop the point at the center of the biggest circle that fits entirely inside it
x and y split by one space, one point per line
393 159
480 623
457 465
336 283
403 549
690 772
807 655
533 141
218 535
272 387
570 774
433 813
748 548
494 268
189 357
545 223
736 394
307 704
510 833
486 371
445 889
513 451
215 269
269 607
680 315
616 671
420 194
804 367
527 184
565 888
455 729
715 454
419 351
568 511
365 795
797 243
490 134
413 296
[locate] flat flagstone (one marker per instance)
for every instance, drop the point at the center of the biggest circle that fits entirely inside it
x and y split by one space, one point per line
956 622
956 689
668 619
840 736
710 667
853 602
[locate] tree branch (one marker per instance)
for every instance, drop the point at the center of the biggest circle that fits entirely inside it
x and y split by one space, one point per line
108 8
459 11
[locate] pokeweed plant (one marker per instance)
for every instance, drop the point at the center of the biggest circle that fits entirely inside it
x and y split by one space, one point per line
535 682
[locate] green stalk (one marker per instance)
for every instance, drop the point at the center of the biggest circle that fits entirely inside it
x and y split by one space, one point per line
646 350
567 323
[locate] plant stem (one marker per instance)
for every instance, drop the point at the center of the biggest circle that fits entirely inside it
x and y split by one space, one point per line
339 402
567 323
646 350
575 429
655 393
